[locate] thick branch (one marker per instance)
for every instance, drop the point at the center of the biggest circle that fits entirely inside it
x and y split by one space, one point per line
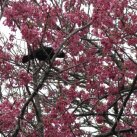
115 133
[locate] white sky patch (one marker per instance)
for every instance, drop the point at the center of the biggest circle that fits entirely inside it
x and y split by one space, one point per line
5 32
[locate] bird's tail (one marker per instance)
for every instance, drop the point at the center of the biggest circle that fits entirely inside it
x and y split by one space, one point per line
61 55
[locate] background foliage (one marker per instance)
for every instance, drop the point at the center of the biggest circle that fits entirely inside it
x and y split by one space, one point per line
92 91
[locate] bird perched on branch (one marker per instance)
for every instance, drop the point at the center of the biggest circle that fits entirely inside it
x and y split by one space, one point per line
42 54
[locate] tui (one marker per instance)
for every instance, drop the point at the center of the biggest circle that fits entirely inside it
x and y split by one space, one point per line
42 54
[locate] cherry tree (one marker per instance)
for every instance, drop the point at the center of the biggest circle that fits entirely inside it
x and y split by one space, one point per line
92 91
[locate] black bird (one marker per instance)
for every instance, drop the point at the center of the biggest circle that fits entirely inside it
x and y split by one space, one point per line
42 54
